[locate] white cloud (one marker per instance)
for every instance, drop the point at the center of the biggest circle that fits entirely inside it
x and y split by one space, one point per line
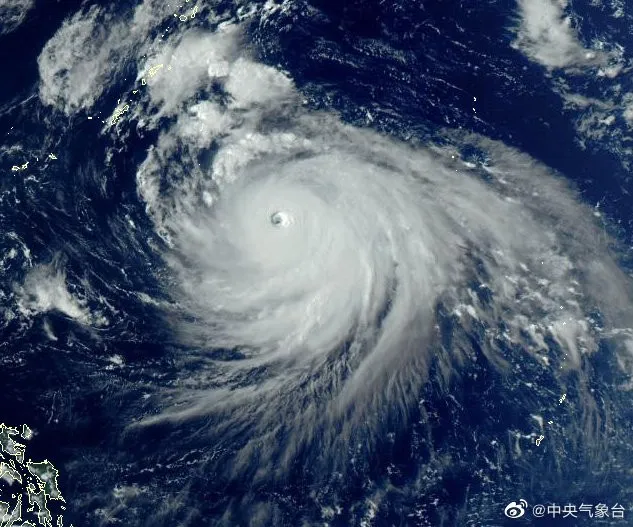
205 122
13 13
188 64
374 234
86 53
368 222
77 62
627 112
45 289
546 35
250 83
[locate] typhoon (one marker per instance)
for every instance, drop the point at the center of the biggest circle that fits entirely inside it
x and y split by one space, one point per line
310 262
307 319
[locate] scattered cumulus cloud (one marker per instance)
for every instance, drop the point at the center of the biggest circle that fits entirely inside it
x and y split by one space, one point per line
45 289
584 75
13 13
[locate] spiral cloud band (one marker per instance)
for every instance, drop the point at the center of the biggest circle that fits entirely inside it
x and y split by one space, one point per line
309 257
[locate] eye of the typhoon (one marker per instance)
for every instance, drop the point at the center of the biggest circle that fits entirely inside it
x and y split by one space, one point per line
280 219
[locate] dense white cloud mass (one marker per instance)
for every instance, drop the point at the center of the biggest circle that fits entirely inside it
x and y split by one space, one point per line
69 79
87 51
318 252
547 36
306 258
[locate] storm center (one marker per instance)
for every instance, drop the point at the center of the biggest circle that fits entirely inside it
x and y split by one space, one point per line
280 219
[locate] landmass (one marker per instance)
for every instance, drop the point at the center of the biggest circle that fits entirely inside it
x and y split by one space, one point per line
27 488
